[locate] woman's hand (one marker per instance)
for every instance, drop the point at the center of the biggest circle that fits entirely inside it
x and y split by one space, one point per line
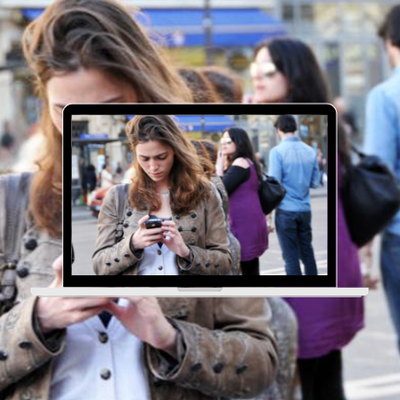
60 312
144 318
219 166
143 237
173 240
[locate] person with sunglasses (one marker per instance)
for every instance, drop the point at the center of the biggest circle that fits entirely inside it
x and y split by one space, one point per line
286 70
241 174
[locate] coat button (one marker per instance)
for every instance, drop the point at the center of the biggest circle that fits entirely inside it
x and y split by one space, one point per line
108 264
25 345
105 374
22 272
180 229
196 367
3 355
129 213
159 252
160 267
116 259
193 215
31 244
240 369
177 217
194 229
217 368
126 224
103 337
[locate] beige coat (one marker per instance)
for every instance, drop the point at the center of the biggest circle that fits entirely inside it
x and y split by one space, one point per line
226 347
203 231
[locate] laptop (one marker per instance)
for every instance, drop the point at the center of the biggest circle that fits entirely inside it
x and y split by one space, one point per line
97 134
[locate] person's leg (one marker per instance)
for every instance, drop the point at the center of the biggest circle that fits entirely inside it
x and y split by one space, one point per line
305 243
321 378
390 269
286 229
308 369
251 267
329 385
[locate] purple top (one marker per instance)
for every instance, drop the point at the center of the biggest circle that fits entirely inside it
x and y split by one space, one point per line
328 324
248 222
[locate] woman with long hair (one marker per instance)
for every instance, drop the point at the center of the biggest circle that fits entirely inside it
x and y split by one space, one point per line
241 176
58 348
169 184
286 70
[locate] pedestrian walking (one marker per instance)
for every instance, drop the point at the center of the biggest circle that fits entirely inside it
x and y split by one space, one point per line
382 136
286 70
241 178
170 188
295 165
106 178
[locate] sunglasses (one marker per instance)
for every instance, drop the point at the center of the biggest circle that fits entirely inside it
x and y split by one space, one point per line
267 69
226 141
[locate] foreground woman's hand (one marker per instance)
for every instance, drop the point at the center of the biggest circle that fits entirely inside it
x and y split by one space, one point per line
143 237
173 239
144 318
61 312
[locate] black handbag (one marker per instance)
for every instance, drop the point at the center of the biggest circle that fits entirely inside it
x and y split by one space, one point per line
271 193
371 197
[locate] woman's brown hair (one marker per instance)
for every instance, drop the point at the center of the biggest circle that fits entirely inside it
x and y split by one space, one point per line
101 34
188 184
204 157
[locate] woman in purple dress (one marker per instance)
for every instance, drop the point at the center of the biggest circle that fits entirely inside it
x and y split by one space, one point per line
286 70
241 178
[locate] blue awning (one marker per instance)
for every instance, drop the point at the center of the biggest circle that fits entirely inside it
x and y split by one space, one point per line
230 27
212 123
184 27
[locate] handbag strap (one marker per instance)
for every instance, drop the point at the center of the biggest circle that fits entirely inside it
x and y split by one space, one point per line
16 202
122 196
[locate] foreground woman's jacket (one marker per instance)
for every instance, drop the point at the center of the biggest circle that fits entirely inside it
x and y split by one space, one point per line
226 347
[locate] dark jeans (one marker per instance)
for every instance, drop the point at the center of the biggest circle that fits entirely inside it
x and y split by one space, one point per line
321 378
390 268
251 267
295 238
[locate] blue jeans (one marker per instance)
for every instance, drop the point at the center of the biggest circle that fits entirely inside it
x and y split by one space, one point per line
390 269
295 238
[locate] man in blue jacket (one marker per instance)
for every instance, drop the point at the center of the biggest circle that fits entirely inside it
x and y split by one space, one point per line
295 165
382 138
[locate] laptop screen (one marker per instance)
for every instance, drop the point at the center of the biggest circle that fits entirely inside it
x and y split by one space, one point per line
200 195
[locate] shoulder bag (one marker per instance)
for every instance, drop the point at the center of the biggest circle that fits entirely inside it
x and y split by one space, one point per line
271 193
370 195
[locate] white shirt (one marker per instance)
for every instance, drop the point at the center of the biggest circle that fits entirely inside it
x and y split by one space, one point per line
78 371
106 179
158 261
